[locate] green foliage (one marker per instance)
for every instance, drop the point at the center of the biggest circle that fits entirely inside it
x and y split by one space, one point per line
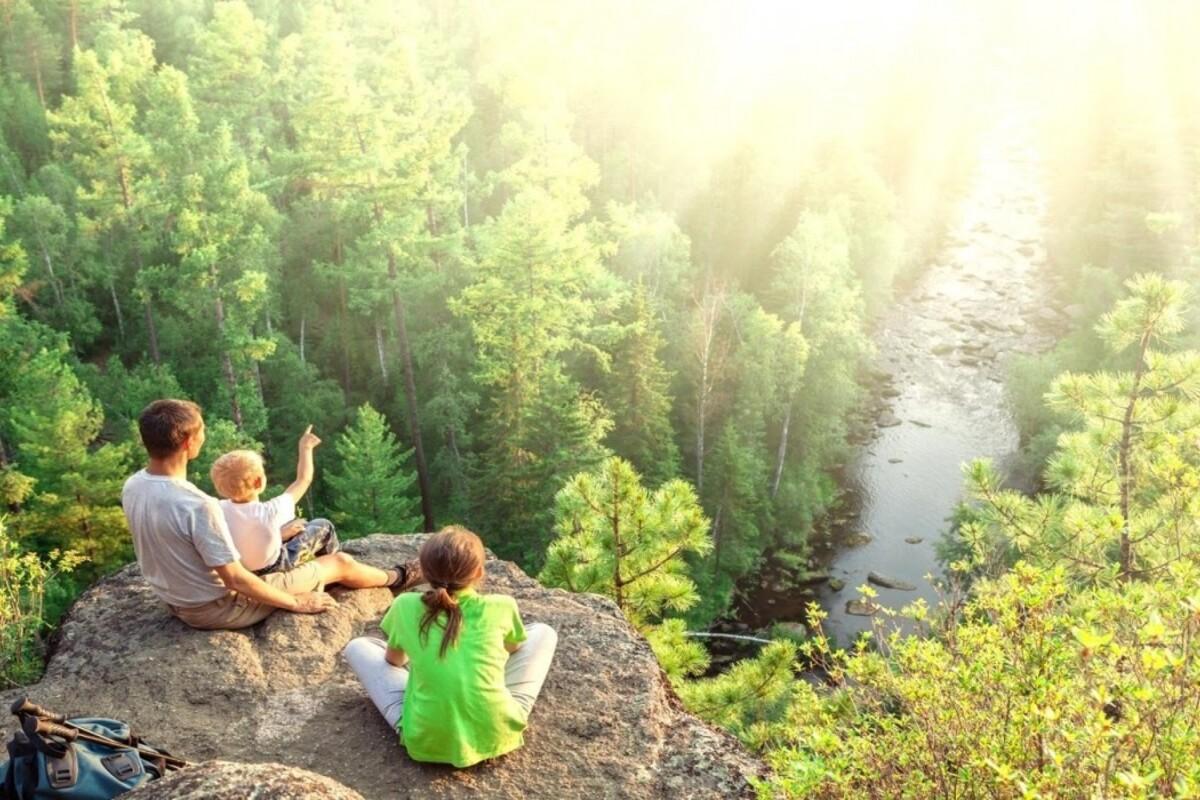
638 395
538 287
750 695
618 539
1126 474
679 655
372 489
1035 691
25 580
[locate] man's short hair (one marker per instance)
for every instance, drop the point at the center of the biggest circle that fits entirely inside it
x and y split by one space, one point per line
166 424
233 474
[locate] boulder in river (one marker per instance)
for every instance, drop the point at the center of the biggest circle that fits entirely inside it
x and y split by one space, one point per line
888 419
913 539
793 630
889 583
836 584
858 538
862 608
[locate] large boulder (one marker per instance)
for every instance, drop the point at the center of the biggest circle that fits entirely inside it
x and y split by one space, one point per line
606 725
227 779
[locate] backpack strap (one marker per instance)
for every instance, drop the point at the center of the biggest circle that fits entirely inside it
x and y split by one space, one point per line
22 757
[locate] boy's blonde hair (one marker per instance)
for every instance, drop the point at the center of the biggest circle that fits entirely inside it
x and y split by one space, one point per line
233 474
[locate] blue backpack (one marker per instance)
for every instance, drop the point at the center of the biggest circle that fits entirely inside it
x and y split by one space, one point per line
83 758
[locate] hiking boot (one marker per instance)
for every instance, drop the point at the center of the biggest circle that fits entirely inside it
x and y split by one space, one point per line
408 575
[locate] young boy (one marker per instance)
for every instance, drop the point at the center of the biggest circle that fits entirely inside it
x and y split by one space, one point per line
267 534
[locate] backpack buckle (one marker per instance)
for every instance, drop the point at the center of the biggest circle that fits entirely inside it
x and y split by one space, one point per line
62 772
122 766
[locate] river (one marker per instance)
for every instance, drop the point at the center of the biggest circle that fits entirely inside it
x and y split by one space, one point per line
942 351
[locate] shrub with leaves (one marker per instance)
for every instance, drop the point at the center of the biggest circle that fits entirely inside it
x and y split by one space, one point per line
25 579
1037 691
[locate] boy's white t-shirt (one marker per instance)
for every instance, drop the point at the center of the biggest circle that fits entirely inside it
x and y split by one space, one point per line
255 526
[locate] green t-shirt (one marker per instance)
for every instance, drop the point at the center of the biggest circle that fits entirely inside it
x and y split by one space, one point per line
457 709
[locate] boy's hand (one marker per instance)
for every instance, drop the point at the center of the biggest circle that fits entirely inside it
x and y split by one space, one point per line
292 529
308 439
313 603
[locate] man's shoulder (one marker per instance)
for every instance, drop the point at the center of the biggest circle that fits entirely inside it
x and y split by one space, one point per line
182 492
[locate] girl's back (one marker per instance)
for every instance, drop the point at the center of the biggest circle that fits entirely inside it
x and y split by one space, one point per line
457 709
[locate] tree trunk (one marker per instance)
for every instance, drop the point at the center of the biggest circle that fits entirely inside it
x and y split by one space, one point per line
701 405
1125 465
37 77
782 454
152 332
618 549
235 406
49 262
258 383
303 321
73 24
383 373
718 539
342 316
410 397
112 290
465 198
709 308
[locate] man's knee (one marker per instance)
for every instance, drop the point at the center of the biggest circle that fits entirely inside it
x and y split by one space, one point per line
334 565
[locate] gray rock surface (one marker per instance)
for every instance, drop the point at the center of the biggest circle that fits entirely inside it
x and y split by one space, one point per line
226 779
606 726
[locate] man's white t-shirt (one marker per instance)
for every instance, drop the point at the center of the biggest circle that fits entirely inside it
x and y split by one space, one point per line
179 536
255 526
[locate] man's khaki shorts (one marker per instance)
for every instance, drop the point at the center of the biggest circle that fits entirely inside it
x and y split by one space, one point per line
238 611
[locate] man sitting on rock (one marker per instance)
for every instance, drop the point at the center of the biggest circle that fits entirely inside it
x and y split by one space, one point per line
187 555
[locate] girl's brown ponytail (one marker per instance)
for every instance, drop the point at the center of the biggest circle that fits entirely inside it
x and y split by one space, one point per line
439 601
451 560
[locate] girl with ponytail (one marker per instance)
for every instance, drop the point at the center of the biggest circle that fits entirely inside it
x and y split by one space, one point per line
459 672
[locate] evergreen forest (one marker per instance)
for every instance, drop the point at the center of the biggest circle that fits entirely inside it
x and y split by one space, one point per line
604 282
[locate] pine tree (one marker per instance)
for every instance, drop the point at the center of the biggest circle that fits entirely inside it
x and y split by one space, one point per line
65 486
538 287
96 130
231 79
1125 504
28 49
371 488
219 228
637 392
618 539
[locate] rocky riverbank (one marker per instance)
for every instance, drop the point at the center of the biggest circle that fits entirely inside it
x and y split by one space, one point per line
935 400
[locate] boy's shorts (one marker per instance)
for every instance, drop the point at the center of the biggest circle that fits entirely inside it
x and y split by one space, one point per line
238 611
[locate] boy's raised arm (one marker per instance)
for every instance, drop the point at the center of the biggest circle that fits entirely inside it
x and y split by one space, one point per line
304 466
